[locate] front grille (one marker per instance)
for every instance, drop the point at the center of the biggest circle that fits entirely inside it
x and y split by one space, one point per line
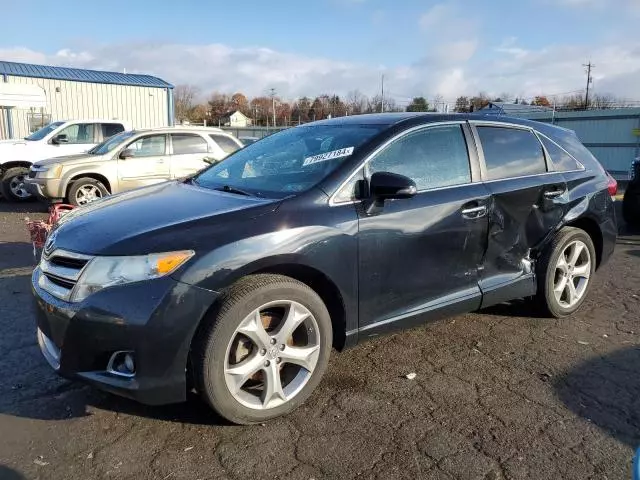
61 271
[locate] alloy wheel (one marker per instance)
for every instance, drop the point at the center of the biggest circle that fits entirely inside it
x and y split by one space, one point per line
272 355
17 187
87 194
572 273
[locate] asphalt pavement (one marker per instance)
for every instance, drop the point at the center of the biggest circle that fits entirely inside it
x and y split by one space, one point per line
498 394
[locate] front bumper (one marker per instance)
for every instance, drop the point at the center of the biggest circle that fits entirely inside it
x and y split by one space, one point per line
155 319
44 189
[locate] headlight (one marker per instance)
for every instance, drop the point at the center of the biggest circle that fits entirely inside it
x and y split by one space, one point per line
103 272
50 171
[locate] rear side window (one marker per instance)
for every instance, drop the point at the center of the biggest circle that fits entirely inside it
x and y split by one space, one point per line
225 143
433 157
111 129
185 143
562 161
511 152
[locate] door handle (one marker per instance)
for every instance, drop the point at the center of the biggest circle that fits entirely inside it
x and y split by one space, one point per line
550 194
160 161
474 212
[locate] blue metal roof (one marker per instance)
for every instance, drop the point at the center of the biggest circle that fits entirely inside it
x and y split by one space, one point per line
80 75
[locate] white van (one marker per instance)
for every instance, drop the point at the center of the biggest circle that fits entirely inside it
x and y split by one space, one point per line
54 140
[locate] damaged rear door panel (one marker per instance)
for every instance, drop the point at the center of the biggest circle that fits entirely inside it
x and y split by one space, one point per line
527 204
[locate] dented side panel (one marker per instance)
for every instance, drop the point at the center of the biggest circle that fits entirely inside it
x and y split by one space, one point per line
521 217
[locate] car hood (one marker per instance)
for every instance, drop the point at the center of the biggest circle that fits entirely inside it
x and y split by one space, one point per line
69 159
164 217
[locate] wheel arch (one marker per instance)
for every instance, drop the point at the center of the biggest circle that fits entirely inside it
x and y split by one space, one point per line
319 282
591 227
96 176
15 163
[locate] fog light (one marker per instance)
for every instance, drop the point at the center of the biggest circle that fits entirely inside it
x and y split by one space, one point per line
123 364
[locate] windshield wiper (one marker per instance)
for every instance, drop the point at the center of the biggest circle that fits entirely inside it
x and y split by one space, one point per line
230 189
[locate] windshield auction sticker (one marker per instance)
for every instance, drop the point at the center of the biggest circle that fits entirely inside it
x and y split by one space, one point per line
343 152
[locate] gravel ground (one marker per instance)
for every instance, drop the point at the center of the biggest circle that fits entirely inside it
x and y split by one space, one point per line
497 395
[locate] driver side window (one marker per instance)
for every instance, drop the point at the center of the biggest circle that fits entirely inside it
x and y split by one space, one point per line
433 157
79 133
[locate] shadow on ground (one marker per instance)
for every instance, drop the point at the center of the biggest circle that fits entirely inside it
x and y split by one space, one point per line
606 391
16 255
7 473
27 207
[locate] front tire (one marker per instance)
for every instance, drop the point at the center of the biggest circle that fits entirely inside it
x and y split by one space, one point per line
564 272
264 350
12 185
86 190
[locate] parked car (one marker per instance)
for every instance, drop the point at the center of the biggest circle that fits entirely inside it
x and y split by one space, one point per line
57 139
239 280
129 160
631 200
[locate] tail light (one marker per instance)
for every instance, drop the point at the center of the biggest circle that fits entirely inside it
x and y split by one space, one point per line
612 185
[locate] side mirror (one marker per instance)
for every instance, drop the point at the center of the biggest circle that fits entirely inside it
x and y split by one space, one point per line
210 160
58 139
126 153
387 186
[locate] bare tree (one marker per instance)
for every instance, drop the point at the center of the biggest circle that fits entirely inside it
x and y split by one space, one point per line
438 103
603 101
183 97
356 102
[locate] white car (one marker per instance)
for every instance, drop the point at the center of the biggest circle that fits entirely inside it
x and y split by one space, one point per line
57 139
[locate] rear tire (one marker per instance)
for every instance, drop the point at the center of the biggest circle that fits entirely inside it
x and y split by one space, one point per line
12 185
244 349
631 206
564 272
86 190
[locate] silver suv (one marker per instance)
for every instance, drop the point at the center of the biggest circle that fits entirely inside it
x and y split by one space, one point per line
129 160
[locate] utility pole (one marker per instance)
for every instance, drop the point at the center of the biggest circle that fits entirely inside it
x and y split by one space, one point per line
273 102
382 101
589 82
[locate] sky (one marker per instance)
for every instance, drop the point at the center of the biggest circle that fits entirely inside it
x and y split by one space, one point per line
522 48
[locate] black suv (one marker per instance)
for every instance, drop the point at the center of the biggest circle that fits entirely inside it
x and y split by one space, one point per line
238 281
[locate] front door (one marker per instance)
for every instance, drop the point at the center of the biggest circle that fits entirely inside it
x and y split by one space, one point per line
148 163
527 203
75 138
419 257
188 153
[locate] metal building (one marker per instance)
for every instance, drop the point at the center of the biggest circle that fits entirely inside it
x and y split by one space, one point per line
33 95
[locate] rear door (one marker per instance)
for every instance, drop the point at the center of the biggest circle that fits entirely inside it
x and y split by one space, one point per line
527 202
148 165
189 151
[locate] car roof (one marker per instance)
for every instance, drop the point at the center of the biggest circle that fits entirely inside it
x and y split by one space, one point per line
418 118
184 129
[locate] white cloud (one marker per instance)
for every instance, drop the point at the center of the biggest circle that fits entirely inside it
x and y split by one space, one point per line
450 68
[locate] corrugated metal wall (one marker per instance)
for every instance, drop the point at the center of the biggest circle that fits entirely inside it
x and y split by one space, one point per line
143 107
609 134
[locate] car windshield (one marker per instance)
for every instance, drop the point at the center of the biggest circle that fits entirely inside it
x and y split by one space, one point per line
110 143
287 162
43 132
